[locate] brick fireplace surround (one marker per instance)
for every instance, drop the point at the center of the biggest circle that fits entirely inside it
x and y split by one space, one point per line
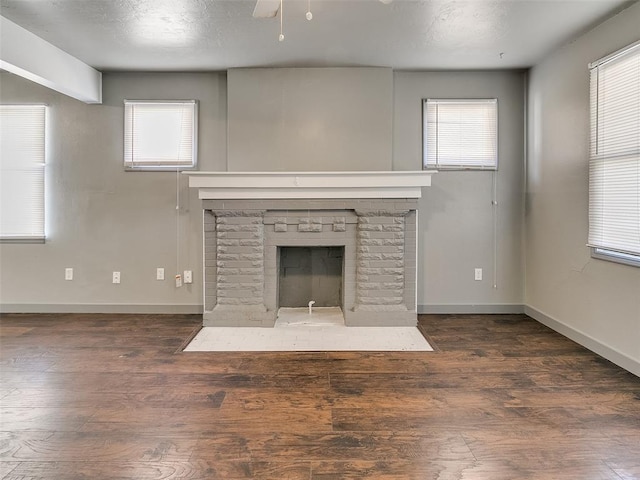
247 216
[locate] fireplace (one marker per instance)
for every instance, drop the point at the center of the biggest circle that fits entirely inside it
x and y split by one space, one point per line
250 219
308 274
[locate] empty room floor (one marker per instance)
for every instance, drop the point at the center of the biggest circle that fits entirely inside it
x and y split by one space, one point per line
501 397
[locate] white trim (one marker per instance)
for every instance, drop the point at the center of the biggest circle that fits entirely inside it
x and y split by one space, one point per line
35 59
101 308
141 116
612 56
308 185
610 353
487 309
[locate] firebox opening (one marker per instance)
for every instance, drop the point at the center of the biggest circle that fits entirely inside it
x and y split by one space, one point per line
310 274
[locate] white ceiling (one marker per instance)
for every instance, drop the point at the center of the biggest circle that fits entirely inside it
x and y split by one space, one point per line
185 35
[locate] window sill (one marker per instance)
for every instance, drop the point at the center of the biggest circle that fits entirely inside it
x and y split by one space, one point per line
159 168
22 239
616 257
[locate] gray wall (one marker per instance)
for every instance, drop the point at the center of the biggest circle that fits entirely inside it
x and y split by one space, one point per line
102 219
595 302
309 119
456 216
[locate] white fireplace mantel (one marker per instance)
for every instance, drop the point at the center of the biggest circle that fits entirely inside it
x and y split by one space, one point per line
307 185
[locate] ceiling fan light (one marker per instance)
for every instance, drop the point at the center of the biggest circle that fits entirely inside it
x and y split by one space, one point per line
309 15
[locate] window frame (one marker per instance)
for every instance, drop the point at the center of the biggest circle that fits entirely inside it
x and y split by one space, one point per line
40 236
601 252
132 166
471 166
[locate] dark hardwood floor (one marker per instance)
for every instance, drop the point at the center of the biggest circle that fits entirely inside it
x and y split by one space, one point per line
503 397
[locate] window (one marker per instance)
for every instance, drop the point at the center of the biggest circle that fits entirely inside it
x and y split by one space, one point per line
22 161
160 135
614 163
460 134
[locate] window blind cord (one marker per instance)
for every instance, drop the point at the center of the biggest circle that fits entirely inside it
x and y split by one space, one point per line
494 203
177 221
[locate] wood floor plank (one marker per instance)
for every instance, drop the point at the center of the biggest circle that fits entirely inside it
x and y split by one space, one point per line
452 470
192 419
503 397
347 446
7 467
169 470
43 418
76 446
462 419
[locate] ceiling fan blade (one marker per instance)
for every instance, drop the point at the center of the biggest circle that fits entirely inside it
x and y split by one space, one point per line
266 8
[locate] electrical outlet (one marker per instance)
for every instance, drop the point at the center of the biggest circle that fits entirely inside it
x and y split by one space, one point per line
159 273
68 273
116 277
478 274
188 276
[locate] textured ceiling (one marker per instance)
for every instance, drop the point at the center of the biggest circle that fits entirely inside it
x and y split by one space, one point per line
184 35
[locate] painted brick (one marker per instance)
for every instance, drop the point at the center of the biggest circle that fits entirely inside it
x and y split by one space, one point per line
239 220
380 271
221 249
381 292
240 271
239 235
381 263
379 279
382 228
253 257
381 249
381 300
373 242
366 227
240 279
240 301
339 224
313 227
239 228
362 256
362 236
210 302
239 264
228 242
210 242
236 293
399 255
381 286
393 228
376 220
251 243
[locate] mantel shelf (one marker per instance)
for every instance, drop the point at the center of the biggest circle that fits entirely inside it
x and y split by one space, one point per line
307 185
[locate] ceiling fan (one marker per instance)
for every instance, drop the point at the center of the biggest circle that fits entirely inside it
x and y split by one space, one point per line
269 8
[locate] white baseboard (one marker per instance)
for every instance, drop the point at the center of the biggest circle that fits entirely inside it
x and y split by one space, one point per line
471 309
586 341
178 309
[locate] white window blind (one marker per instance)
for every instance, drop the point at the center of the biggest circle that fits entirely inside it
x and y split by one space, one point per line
22 163
160 134
460 134
614 165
